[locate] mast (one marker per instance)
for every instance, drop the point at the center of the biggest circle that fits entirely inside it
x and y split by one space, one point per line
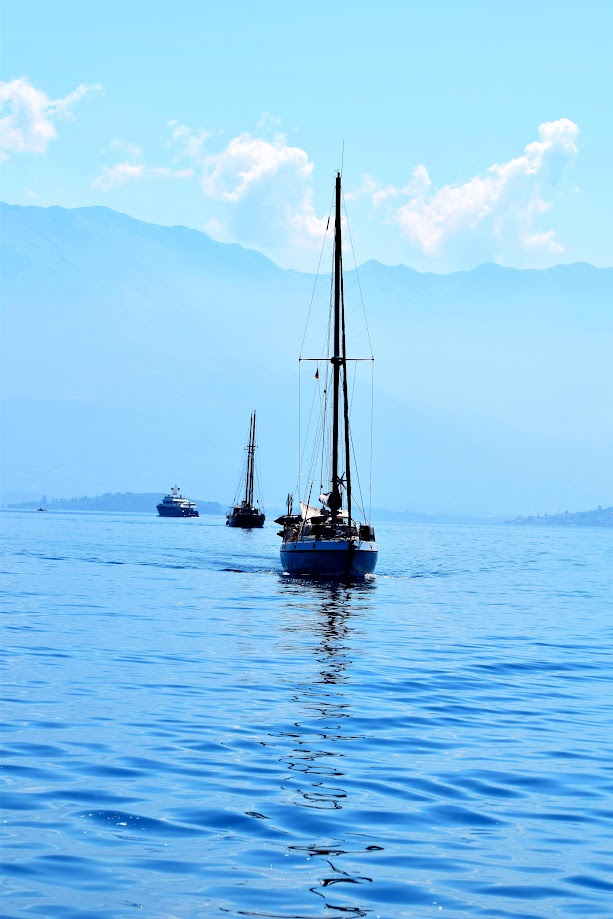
250 462
346 410
335 501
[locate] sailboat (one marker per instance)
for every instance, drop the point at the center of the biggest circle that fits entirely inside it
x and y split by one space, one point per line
327 541
246 514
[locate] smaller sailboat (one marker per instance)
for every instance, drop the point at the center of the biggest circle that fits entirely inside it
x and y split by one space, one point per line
246 513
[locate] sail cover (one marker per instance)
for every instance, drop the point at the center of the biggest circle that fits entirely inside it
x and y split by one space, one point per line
307 511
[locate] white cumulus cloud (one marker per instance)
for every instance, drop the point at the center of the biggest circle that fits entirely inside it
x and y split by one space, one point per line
28 117
262 187
120 173
494 212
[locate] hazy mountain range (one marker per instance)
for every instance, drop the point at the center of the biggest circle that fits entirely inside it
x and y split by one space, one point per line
133 354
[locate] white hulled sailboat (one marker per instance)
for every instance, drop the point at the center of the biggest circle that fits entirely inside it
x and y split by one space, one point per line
329 542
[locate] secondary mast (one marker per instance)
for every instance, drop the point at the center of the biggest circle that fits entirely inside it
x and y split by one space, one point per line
250 463
335 500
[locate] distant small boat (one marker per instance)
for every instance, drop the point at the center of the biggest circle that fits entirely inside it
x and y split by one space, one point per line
42 510
246 514
175 505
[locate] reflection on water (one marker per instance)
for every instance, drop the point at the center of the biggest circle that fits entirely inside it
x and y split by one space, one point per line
317 763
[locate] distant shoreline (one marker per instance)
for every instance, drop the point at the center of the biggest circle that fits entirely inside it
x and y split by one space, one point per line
132 502
145 503
127 502
601 517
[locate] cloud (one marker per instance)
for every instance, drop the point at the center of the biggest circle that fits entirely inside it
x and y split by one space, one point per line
268 122
247 161
543 240
29 126
494 212
189 143
262 188
124 146
418 186
120 173
266 187
164 172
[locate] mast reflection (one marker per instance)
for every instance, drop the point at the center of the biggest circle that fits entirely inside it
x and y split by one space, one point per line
323 743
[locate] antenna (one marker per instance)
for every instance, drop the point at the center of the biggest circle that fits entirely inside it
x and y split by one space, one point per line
342 157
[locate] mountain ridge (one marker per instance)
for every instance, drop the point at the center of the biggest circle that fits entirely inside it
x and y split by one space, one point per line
134 353
86 210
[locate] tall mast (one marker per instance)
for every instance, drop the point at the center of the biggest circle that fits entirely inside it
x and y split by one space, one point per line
334 501
346 410
250 462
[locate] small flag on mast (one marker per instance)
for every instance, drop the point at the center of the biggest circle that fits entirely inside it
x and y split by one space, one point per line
317 374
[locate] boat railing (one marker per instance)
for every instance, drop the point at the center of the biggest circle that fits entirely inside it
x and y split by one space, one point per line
298 529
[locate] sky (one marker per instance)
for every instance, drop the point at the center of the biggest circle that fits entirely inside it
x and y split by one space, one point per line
467 133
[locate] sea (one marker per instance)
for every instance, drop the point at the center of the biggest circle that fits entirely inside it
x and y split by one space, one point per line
188 732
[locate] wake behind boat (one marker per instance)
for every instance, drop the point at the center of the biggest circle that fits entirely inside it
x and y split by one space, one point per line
246 514
328 542
175 505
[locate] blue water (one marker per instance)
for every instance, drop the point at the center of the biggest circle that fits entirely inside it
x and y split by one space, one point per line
188 733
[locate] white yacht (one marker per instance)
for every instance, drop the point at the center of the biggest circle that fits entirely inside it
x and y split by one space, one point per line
175 505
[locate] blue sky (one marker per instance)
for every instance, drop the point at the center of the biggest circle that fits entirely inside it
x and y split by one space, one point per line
472 132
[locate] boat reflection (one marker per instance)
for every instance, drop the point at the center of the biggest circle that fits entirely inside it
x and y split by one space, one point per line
324 744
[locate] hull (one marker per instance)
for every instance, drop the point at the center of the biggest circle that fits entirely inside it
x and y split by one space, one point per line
246 521
329 559
176 512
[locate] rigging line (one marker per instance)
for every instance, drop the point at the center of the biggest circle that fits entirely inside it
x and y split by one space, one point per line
321 253
259 494
358 477
347 432
372 410
321 428
357 274
357 472
306 436
315 451
326 346
323 435
308 502
299 432
318 433
324 424
330 313
239 482
310 439
355 373
242 474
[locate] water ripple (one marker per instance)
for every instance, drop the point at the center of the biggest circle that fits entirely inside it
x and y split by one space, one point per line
188 732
